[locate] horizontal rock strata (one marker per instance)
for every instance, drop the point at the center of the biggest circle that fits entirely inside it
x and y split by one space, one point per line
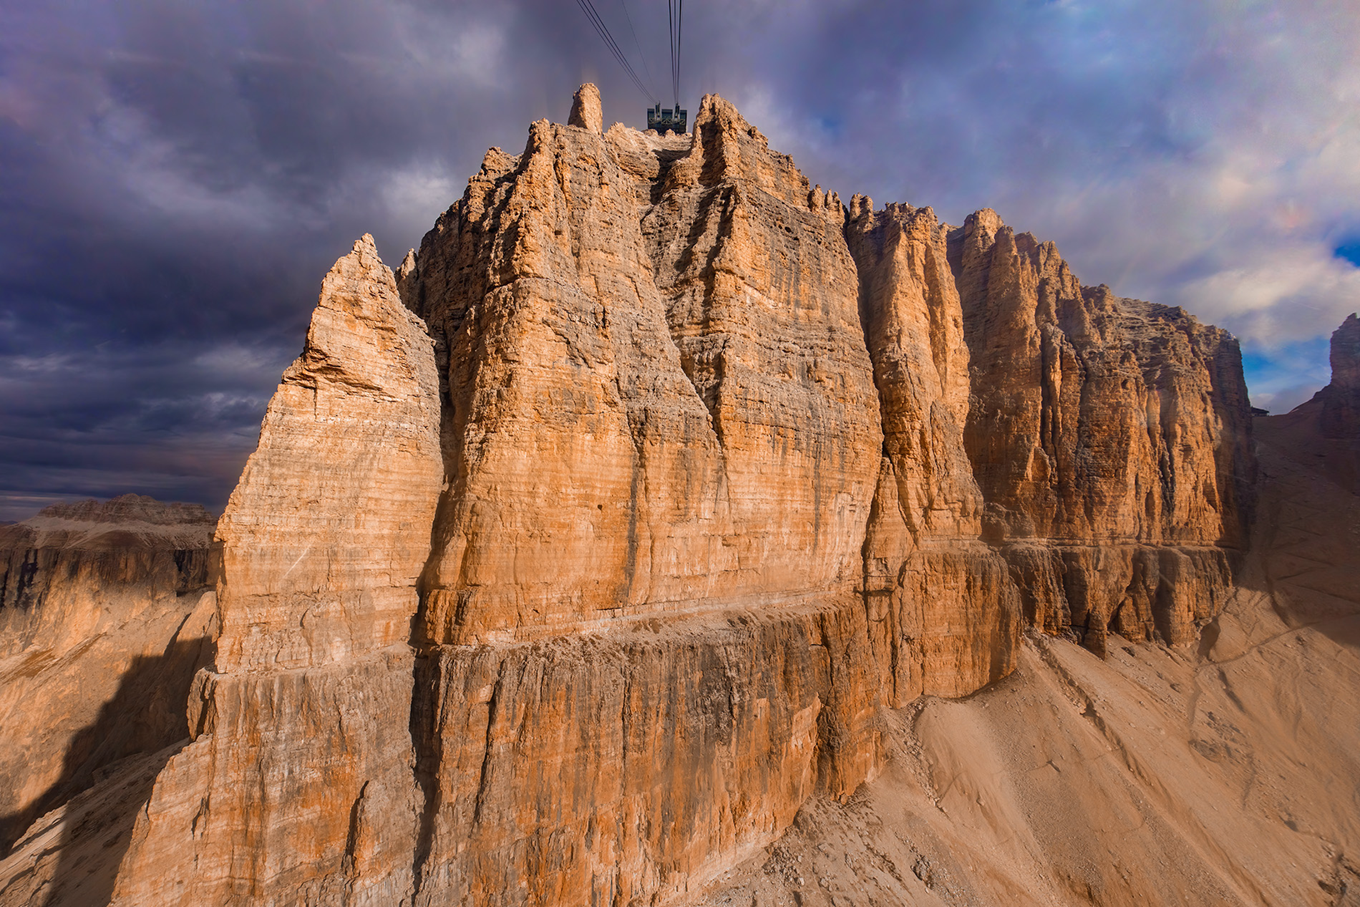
639 765
653 409
299 785
579 552
943 615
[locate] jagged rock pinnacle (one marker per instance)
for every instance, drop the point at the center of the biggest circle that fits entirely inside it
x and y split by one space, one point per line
586 111
1341 398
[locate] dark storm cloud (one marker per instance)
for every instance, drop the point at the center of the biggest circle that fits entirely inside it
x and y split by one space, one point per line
148 417
176 178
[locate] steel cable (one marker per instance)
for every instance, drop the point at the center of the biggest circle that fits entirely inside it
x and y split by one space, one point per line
602 30
670 33
679 36
651 83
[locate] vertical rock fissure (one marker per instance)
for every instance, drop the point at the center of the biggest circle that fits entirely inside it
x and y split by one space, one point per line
695 348
1113 406
488 752
426 713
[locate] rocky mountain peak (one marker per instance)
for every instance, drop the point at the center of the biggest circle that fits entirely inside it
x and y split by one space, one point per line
586 110
130 507
1345 354
129 520
580 553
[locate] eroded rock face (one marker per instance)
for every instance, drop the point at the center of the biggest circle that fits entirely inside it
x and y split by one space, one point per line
663 423
299 785
104 613
570 417
1341 399
328 528
586 111
637 765
655 407
943 615
1107 428
761 302
58 568
578 553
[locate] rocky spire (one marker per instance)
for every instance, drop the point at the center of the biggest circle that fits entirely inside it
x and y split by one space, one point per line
1341 398
586 111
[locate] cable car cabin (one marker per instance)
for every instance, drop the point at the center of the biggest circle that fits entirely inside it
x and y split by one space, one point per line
665 120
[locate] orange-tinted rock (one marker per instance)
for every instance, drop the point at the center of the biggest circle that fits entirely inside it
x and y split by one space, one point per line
652 409
1138 591
1097 421
637 765
298 788
103 612
583 474
328 527
580 552
675 444
299 785
586 111
761 302
943 615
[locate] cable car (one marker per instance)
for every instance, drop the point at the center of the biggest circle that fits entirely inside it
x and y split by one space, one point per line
666 119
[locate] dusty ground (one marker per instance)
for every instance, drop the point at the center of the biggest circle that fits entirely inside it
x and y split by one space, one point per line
1228 775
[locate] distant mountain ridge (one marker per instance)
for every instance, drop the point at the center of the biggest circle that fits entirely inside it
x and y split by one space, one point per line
125 520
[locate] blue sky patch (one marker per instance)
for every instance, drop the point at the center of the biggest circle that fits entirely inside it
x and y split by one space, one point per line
1281 378
1349 250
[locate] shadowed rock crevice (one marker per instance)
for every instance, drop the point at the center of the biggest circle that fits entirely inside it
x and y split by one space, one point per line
427 693
943 615
701 359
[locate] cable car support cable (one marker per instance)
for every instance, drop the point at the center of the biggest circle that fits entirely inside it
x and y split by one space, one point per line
651 83
673 12
679 35
602 30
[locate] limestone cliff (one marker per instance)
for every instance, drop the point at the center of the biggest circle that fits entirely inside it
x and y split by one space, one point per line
639 430
299 785
943 613
654 407
580 552
1331 419
104 610
1110 438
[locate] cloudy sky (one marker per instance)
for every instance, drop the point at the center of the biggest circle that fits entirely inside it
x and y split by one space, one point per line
176 176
